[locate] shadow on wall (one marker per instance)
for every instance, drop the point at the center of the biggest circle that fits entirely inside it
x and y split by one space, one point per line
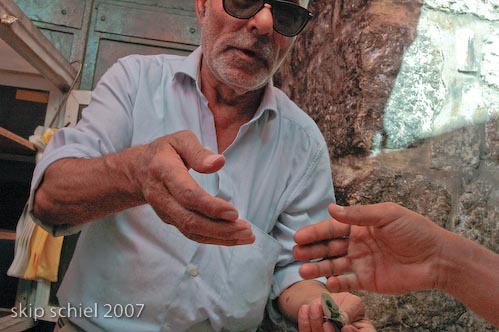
343 67
386 74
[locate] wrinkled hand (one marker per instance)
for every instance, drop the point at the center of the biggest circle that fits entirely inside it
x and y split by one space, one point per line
311 316
384 248
176 197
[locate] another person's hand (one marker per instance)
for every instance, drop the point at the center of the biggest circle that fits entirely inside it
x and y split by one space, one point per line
176 197
383 248
311 316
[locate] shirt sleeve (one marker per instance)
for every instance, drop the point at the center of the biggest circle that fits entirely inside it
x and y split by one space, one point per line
307 205
105 127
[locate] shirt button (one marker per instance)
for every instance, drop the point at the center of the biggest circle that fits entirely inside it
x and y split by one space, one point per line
194 272
166 328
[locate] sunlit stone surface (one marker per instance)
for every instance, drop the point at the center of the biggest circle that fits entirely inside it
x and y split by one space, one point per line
448 78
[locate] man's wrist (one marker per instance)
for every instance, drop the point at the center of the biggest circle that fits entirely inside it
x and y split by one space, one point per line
124 165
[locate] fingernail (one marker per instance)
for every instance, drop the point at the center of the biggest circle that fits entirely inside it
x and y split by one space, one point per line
303 311
229 215
244 234
247 241
213 158
338 209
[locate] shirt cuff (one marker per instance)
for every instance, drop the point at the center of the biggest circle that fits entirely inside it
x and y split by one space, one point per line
284 278
42 165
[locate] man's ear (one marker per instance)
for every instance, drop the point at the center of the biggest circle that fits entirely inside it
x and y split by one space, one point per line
201 10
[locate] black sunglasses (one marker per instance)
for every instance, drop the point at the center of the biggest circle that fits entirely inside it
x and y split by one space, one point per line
289 18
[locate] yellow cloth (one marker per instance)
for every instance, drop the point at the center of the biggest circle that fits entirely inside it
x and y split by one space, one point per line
45 254
47 135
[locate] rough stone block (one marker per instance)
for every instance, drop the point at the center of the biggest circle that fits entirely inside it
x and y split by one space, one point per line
492 141
371 181
456 150
477 217
490 59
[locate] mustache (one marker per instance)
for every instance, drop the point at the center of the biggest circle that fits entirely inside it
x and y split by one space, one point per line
262 46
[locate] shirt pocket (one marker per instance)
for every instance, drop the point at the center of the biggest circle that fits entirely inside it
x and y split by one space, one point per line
249 281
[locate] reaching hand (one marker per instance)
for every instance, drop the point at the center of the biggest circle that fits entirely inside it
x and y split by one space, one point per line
178 200
383 248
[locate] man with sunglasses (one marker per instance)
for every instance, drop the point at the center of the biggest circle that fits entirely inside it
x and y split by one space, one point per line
188 178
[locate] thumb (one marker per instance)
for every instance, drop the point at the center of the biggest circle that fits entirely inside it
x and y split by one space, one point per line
194 154
363 215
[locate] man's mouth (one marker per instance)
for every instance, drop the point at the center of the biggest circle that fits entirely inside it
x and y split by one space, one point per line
248 53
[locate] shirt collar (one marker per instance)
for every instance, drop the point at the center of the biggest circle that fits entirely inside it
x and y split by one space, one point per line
269 101
191 68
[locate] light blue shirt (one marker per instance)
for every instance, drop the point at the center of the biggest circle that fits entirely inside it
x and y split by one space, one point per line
277 173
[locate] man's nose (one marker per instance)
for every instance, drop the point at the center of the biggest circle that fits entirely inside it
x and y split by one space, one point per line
262 23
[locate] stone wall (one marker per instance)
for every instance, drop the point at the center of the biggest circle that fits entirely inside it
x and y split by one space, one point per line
407 95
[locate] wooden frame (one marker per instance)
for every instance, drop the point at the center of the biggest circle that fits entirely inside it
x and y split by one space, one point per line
76 100
29 42
35 82
31 61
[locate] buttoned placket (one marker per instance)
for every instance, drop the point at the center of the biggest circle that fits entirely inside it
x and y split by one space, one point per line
193 271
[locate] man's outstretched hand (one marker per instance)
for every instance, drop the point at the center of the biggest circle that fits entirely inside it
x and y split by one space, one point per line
178 200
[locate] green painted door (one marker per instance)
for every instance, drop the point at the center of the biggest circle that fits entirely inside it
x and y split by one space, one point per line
95 33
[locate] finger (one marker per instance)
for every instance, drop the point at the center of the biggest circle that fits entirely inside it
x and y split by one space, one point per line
190 195
194 224
352 307
303 321
224 242
176 179
364 325
194 154
231 238
169 166
329 327
171 175
327 267
367 215
343 283
349 328
323 249
316 317
324 230
197 227
216 232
